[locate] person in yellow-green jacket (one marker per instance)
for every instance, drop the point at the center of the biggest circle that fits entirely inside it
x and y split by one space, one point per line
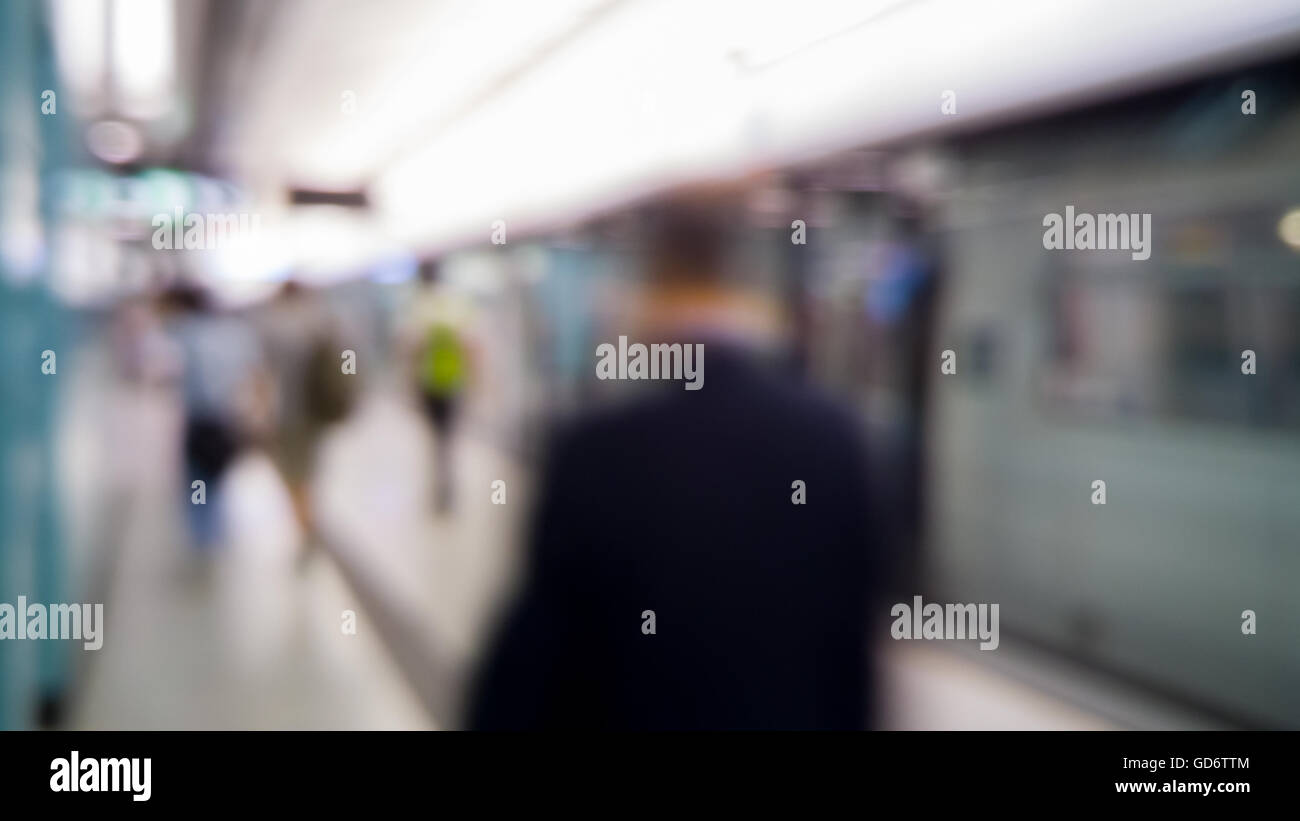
442 372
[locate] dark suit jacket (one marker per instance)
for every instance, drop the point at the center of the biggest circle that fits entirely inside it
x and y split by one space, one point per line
681 504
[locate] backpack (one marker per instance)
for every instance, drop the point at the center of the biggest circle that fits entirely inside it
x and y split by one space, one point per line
330 392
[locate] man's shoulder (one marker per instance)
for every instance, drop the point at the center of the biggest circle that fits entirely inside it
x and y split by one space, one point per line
768 409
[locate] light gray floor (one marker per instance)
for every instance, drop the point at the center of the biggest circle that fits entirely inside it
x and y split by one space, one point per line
247 638
241 639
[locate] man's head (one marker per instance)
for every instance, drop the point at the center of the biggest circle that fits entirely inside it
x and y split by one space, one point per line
429 272
690 237
693 285
186 297
290 290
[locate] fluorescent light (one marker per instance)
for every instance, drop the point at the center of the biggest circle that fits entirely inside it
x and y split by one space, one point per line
441 62
1288 228
79 49
144 55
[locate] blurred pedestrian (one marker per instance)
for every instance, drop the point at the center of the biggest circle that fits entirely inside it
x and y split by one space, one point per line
437 336
220 358
311 389
700 559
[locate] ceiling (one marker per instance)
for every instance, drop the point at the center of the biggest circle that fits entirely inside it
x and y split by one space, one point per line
454 113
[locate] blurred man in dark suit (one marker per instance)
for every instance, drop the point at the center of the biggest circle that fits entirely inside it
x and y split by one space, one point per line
701 559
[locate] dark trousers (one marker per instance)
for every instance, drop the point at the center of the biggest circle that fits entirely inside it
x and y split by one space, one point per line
442 412
209 447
